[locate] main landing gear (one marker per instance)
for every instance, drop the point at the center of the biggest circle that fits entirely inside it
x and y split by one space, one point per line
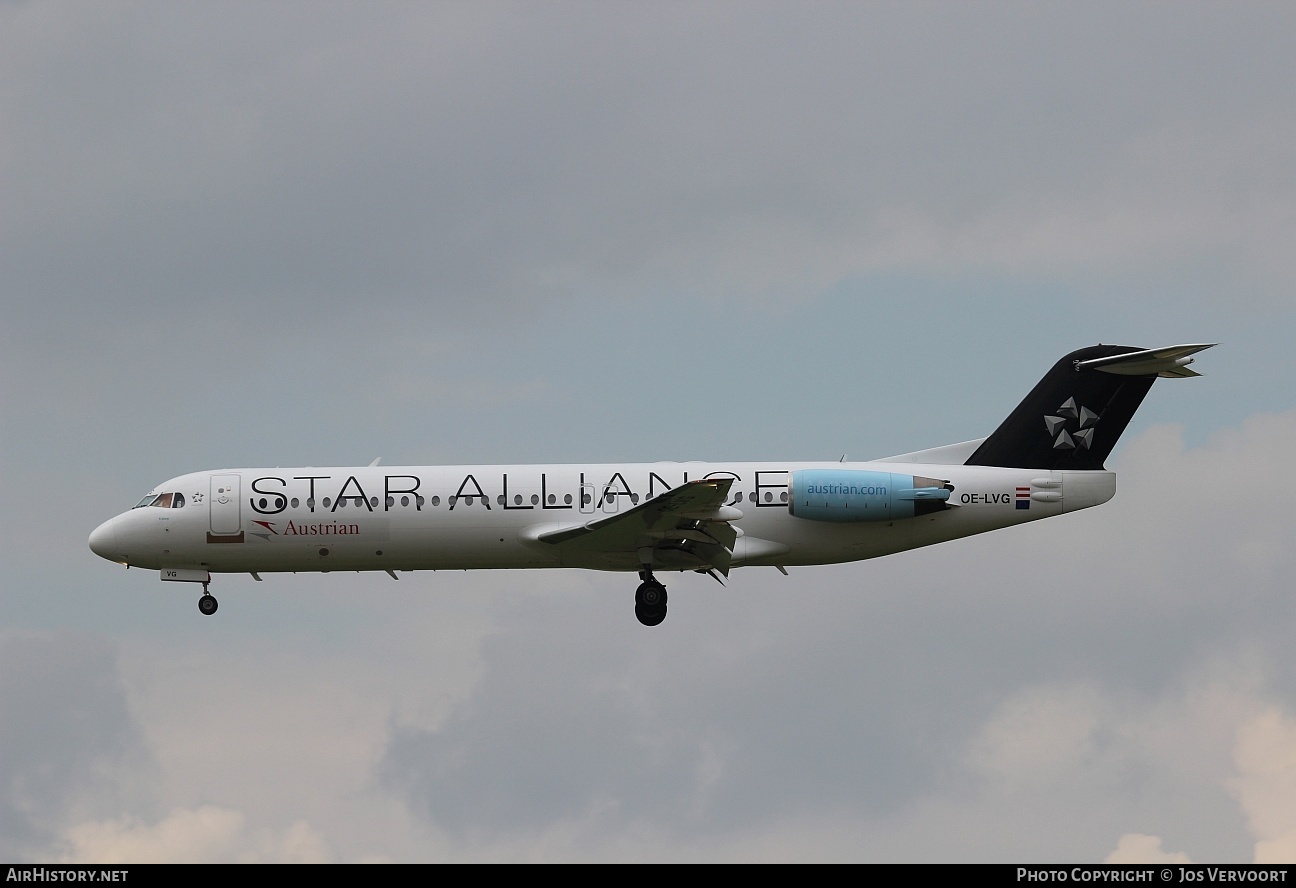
650 600
207 604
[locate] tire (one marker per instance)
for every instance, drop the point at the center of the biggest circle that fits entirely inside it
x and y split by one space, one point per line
650 616
650 595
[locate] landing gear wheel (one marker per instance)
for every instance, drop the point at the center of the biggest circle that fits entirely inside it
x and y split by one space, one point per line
650 600
650 594
650 617
207 604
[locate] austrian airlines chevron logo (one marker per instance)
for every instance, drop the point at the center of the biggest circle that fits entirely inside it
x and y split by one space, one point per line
1072 427
268 525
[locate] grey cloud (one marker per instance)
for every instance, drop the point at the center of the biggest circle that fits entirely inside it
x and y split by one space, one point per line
268 158
631 732
69 745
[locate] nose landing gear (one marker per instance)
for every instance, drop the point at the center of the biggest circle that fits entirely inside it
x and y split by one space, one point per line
207 604
650 600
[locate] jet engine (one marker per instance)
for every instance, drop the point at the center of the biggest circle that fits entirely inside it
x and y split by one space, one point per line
856 495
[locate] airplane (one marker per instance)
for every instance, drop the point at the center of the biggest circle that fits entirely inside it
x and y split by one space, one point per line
1046 458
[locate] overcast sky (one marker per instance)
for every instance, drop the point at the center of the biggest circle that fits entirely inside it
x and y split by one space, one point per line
246 234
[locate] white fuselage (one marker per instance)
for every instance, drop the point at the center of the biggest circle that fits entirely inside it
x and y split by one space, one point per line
464 517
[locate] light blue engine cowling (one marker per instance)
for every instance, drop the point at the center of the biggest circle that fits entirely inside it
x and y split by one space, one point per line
854 495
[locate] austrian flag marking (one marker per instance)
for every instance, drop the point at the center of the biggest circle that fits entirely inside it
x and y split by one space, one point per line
1023 497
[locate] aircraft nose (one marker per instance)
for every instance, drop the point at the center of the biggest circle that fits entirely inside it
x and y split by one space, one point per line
103 540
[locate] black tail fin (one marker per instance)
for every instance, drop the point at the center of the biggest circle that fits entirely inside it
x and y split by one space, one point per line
1075 414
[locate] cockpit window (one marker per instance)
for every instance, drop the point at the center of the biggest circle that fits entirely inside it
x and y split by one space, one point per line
162 501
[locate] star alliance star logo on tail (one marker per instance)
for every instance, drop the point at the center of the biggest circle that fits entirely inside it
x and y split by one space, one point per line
1073 427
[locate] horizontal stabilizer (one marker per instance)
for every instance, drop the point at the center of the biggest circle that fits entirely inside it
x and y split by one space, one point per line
1170 362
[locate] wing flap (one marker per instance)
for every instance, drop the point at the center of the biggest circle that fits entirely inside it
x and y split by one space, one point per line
686 527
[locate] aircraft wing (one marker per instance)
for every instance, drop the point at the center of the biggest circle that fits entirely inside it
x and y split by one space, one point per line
685 528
